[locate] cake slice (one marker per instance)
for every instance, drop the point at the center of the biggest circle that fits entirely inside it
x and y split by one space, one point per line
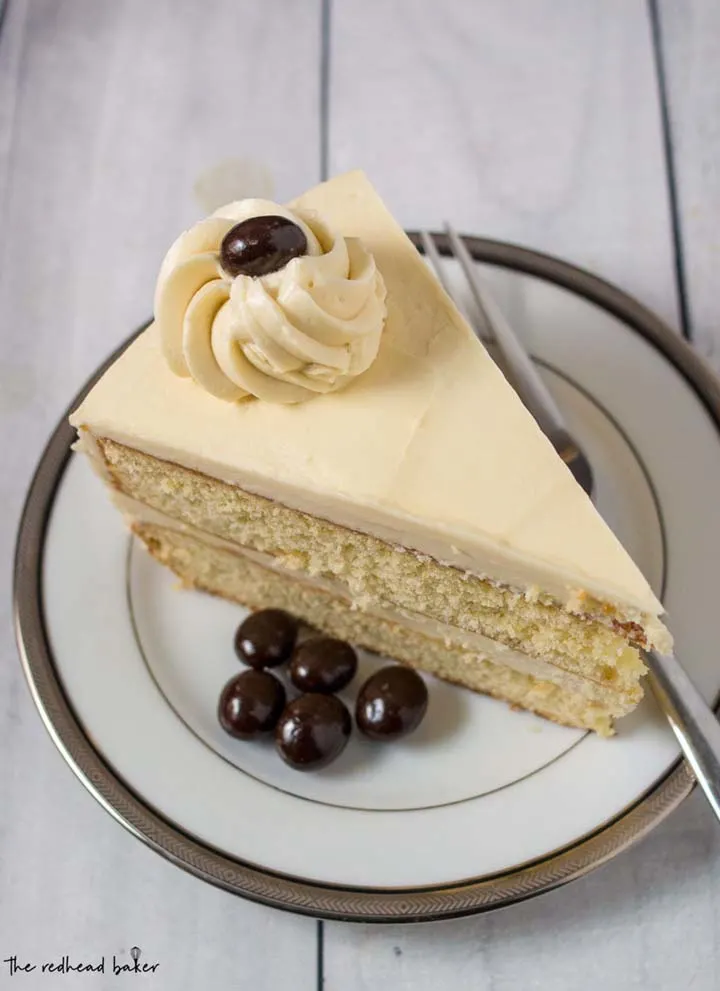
330 437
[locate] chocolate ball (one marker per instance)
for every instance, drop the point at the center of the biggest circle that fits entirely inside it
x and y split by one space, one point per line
266 638
323 664
391 703
251 704
261 245
312 731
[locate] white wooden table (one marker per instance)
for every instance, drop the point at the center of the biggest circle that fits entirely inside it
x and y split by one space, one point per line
587 128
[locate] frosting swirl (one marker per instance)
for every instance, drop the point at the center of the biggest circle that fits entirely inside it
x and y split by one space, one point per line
308 328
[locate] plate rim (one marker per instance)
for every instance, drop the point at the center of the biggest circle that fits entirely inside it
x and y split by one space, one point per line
262 884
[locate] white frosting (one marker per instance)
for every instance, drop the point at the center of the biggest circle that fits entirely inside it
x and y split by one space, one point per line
310 327
430 449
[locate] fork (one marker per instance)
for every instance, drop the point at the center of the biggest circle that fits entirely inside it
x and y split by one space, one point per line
691 719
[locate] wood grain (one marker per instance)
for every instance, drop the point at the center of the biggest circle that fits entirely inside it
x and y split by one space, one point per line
690 36
535 122
645 921
108 111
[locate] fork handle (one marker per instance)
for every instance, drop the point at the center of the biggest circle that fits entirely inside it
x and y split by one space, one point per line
534 392
692 720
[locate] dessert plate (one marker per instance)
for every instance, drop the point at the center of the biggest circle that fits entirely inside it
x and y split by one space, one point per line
482 806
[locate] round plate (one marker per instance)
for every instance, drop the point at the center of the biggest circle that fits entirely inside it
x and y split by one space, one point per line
482 806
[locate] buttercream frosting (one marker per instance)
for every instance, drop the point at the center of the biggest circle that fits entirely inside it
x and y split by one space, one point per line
309 328
430 449
477 646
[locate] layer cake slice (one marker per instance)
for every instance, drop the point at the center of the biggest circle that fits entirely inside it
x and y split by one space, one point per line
413 507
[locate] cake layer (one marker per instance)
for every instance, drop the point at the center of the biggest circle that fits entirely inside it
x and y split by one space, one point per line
139 516
375 575
429 448
215 569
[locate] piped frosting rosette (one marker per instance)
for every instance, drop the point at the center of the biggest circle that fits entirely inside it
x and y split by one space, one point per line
310 327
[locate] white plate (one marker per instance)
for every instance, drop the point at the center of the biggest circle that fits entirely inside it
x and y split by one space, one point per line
482 806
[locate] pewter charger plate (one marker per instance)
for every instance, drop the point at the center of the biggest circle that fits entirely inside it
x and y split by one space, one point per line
481 807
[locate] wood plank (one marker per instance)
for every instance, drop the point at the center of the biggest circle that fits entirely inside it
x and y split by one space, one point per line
535 122
108 111
690 40
646 920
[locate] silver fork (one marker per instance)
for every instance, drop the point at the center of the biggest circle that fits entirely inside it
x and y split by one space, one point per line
692 720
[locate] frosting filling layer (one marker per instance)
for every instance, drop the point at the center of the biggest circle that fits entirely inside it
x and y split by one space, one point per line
373 570
475 644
